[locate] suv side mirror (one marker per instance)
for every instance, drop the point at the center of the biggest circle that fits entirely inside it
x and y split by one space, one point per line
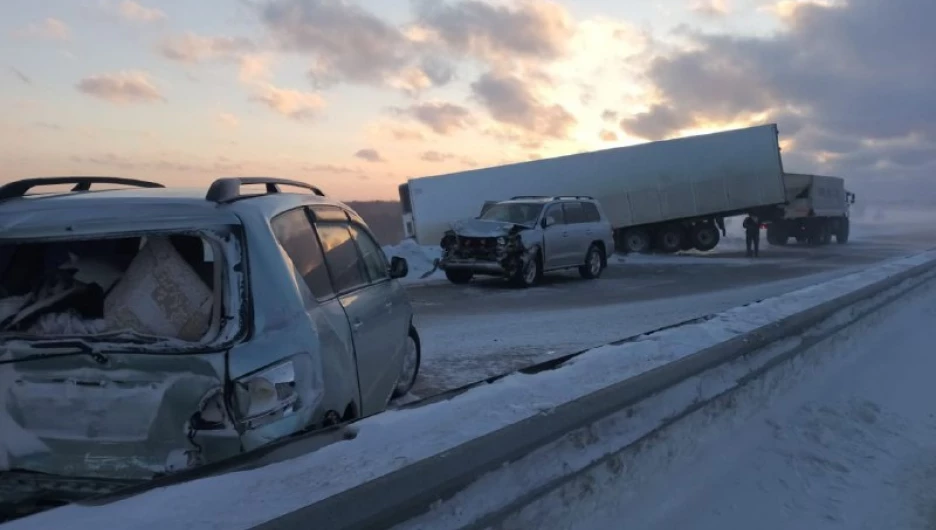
548 221
398 267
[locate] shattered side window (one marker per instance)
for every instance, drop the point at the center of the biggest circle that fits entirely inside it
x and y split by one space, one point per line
295 234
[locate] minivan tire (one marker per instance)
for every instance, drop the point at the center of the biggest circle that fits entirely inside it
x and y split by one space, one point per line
406 381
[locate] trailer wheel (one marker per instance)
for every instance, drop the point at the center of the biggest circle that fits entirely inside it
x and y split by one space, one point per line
636 240
459 277
841 237
670 239
826 233
777 235
704 237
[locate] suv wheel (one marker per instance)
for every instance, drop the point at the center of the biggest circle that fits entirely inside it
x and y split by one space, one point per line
594 263
529 274
412 358
458 276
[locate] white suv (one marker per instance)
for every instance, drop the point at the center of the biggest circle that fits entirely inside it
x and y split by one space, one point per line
148 330
525 237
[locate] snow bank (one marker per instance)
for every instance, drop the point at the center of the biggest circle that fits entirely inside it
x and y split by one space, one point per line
421 260
836 439
395 439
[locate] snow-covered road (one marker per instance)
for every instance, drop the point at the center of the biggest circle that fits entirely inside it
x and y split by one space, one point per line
853 447
486 329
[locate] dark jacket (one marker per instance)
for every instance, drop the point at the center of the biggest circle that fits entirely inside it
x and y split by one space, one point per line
751 226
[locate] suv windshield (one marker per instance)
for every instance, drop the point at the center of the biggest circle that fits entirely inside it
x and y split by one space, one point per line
514 212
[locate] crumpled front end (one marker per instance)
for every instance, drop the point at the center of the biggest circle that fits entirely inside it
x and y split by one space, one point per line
501 254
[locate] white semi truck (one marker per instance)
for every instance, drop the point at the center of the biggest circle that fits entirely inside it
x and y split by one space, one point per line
817 208
668 196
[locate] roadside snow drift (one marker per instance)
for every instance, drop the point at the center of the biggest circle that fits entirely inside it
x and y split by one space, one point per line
395 439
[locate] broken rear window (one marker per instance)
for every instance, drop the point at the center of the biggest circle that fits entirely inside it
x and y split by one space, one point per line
160 286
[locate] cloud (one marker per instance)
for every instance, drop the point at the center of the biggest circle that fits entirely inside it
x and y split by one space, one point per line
710 8
511 101
345 43
50 28
608 136
291 103
20 75
441 117
193 48
370 155
228 120
436 156
136 12
527 30
255 67
609 116
823 79
122 87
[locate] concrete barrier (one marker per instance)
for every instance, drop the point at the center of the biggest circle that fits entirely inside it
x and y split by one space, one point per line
397 497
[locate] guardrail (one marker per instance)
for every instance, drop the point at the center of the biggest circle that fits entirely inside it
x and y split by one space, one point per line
397 494
397 497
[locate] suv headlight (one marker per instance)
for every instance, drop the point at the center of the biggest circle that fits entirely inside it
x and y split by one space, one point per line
267 395
502 241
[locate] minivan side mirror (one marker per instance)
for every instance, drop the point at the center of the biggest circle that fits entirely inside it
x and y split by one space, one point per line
398 267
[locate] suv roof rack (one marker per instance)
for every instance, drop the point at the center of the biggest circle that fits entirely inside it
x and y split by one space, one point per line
553 197
229 189
19 188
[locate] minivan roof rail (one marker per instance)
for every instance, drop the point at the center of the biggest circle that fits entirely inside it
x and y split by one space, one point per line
20 188
229 188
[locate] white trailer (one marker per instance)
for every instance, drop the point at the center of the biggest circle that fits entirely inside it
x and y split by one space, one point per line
669 195
817 208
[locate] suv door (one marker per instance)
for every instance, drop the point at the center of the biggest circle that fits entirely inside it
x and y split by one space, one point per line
369 306
579 229
557 253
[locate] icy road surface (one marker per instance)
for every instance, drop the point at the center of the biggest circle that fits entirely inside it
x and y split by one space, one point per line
852 448
486 328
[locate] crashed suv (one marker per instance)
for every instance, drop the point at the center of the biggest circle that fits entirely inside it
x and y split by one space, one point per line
525 237
145 331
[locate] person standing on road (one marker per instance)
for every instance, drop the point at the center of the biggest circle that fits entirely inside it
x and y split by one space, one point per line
752 236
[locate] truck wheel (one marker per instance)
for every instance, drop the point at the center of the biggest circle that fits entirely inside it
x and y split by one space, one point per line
530 274
841 237
636 241
670 239
459 277
704 237
594 263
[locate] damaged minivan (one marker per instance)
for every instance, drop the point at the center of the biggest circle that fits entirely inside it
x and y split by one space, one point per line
525 237
145 331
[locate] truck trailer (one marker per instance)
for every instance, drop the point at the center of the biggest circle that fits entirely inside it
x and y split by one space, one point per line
668 195
817 208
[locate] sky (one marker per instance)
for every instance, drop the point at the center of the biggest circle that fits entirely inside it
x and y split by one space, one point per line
358 96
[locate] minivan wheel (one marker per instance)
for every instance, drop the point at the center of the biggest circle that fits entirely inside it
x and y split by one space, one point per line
409 371
594 263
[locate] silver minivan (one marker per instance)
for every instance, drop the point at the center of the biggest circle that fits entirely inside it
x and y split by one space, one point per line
147 330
